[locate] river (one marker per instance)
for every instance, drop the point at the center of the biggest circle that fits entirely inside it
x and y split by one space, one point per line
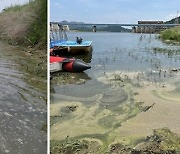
22 105
134 80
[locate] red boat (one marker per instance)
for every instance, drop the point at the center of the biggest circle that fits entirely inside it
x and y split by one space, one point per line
67 64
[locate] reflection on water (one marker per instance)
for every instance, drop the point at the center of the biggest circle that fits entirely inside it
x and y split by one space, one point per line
130 76
22 107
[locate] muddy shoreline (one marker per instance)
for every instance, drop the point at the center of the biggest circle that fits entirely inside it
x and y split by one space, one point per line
162 141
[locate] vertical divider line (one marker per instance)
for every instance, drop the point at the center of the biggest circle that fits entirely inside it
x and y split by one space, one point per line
48 78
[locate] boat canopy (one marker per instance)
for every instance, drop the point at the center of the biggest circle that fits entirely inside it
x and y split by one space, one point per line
63 43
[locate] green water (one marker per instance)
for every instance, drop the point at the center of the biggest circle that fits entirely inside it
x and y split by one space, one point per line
104 98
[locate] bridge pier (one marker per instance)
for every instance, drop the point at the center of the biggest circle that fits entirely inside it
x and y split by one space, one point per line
147 29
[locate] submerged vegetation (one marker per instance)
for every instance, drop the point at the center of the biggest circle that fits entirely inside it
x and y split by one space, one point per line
161 141
119 118
25 25
79 128
172 34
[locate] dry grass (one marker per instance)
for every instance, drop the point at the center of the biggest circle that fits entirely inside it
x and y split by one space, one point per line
24 25
15 25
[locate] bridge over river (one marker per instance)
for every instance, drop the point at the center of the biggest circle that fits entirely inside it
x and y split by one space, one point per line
125 25
137 28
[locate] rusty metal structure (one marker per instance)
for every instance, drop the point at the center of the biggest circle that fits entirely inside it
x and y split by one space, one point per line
148 27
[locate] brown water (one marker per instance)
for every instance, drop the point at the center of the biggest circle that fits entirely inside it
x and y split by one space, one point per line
132 88
22 104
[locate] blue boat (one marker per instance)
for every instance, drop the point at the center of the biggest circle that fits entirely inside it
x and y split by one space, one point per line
71 46
59 41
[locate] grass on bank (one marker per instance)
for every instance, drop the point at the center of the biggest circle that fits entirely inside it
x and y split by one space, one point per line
25 25
172 34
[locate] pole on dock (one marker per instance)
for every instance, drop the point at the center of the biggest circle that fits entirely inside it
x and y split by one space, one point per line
51 32
60 31
94 28
55 29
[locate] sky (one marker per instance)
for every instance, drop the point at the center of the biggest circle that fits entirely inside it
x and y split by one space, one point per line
7 3
113 11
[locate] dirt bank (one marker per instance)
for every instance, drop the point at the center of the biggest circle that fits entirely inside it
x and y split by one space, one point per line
25 25
25 28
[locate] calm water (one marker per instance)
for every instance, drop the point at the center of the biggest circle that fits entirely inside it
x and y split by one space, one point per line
110 103
119 52
22 106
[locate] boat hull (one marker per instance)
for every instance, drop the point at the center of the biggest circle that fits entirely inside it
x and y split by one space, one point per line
71 47
66 64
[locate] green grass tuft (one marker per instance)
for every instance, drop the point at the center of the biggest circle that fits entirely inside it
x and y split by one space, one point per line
38 29
172 34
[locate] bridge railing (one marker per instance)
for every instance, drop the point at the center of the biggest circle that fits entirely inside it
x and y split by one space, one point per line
131 25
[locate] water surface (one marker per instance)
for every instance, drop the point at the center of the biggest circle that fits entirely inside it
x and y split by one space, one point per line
131 89
22 105
122 52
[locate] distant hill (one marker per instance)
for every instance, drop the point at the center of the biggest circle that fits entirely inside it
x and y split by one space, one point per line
114 29
70 22
100 28
174 20
80 27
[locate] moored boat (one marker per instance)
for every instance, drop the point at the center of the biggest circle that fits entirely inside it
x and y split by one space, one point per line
59 41
67 64
71 46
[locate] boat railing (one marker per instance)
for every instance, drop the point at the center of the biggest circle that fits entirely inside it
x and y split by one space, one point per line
57 32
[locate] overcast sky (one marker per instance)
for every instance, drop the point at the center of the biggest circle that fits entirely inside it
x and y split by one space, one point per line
113 11
6 3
